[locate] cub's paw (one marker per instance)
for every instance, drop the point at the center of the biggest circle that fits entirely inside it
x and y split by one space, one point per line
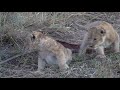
64 67
38 72
100 57
117 52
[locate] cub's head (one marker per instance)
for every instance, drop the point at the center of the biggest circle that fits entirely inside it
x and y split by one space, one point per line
96 37
34 40
36 36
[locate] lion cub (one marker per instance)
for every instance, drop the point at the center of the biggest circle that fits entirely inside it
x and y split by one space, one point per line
100 35
50 51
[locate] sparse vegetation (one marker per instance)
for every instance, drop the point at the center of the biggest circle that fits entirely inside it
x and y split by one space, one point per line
63 26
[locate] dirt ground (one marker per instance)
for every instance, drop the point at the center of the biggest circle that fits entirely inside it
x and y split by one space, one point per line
63 26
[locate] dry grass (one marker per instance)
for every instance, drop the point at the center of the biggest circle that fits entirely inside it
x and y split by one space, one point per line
65 26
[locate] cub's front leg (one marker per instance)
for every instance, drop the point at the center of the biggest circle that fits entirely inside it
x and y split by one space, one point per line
62 62
100 51
116 45
41 65
84 45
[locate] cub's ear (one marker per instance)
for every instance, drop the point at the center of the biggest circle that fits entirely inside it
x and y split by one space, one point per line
43 32
40 35
92 28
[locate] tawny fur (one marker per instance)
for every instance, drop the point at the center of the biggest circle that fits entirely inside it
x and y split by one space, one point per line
100 35
50 51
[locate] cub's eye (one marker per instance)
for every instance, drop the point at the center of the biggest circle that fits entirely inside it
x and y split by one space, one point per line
102 31
95 39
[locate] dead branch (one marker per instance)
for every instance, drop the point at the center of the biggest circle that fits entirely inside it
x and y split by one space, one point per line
2 62
11 58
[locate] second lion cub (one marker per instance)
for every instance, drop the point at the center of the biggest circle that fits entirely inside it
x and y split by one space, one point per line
100 35
50 51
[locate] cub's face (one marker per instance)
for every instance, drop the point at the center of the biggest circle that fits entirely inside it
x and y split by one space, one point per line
34 40
96 37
